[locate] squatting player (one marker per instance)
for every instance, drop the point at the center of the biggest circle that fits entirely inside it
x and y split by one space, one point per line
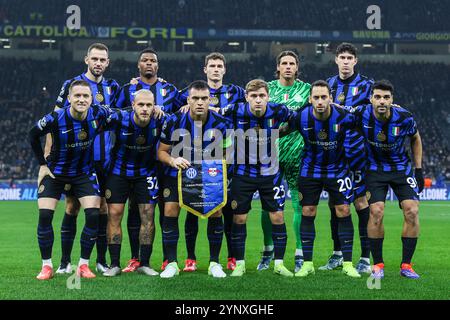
385 128
221 96
193 125
70 162
293 94
323 167
351 89
169 99
133 169
256 169
103 92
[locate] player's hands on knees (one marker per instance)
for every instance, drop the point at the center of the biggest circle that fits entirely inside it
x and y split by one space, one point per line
184 109
419 178
180 163
158 113
44 171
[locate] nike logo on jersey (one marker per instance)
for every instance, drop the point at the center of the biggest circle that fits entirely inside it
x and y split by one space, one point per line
65 131
367 127
306 129
127 133
242 122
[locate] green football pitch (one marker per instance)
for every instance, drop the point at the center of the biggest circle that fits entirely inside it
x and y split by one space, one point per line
20 263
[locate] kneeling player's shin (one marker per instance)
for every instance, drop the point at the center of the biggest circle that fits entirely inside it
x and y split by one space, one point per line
170 237
90 231
308 234
102 244
238 237
346 233
190 232
45 233
279 237
215 236
133 227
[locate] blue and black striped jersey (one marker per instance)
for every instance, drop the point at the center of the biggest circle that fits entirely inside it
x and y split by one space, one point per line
134 151
103 94
324 151
197 141
385 141
71 152
223 96
255 150
352 92
166 95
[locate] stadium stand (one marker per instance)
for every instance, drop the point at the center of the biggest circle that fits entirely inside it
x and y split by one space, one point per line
267 14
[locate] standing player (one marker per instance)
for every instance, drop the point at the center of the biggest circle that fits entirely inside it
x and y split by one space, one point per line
294 94
324 167
221 95
170 100
133 169
187 126
351 89
256 169
103 91
70 162
385 128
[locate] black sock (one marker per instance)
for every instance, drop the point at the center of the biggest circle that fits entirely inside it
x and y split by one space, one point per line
409 246
228 224
114 253
346 233
238 237
190 232
45 233
133 227
68 232
279 237
376 247
307 234
170 237
334 230
363 216
161 220
102 244
89 234
215 236
146 252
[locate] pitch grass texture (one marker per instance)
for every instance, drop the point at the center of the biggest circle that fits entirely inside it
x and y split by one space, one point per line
20 263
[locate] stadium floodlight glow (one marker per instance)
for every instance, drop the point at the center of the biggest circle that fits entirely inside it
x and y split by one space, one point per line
4 40
233 43
142 41
7 46
367 45
188 43
48 40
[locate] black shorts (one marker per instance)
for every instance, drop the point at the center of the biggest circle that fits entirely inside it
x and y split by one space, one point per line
100 171
170 189
79 186
340 190
271 192
144 189
404 186
359 183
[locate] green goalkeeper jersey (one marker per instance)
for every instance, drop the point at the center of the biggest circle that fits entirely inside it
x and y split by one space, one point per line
290 146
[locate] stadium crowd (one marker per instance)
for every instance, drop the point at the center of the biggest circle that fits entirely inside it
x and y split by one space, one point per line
399 15
29 88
